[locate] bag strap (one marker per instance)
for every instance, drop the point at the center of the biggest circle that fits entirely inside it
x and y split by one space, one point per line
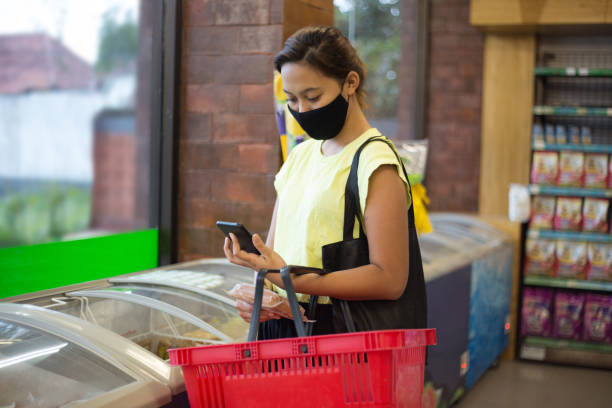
352 207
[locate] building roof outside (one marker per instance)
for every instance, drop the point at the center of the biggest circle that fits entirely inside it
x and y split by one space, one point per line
38 62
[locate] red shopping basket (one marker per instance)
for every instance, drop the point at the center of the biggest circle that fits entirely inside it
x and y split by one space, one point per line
362 369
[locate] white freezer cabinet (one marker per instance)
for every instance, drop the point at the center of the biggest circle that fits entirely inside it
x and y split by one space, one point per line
45 362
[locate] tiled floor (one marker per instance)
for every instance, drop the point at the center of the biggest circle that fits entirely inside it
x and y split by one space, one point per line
530 385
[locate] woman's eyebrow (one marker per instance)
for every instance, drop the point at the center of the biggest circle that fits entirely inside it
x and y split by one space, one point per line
304 91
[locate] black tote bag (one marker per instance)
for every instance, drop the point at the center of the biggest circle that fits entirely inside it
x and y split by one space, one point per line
407 312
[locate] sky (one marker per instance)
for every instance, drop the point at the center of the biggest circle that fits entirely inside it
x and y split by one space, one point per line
76 22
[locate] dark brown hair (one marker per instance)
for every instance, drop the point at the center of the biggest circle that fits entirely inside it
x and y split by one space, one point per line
328 51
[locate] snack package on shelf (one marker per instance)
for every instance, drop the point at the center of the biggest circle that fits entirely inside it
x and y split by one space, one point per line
585 135
560 134
537 134
536 312
549 133
542 212
568 315
568 214
545 168
574 135
272 301
571 259
599 266
571 169
610 171
539 257
596 170
597 320
595 215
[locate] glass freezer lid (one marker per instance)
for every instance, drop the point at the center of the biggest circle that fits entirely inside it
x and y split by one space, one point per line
210 279
469 225
432 247
42 370
157 318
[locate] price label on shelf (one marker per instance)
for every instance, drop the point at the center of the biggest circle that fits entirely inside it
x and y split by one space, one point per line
533 353
583 71
539 145
572 284
608 193
533 233
609 112
570 71
581 111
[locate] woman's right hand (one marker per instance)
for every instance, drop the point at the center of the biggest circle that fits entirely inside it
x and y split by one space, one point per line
245 310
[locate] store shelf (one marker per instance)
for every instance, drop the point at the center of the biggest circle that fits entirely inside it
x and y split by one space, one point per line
573 71
573 147
567 283
571 110
567 352
537 189
570 235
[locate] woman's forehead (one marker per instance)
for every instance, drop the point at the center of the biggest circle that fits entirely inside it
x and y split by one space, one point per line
298 77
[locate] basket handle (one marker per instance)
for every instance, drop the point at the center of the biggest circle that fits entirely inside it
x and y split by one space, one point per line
285 273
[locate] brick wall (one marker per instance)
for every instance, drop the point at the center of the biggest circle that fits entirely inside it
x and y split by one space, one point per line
453 112
229 148
113 198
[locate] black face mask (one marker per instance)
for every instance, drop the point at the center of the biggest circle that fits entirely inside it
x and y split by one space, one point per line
326 122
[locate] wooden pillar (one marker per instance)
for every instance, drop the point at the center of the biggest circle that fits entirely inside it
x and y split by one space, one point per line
507 101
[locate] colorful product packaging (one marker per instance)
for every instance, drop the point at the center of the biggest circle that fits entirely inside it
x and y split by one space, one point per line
568 214
610 171
596 170
599 261
574 135
595 215
560 134
585 135
549 134
571 169
537 134
542 212
568 315
597 320
571 259
539 257
536 312
545 168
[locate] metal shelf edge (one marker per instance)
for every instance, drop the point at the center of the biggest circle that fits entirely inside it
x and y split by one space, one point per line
567 283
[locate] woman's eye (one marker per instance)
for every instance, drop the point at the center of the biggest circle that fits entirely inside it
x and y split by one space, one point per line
314 99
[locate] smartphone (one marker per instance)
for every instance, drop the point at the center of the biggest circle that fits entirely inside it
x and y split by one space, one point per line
245 238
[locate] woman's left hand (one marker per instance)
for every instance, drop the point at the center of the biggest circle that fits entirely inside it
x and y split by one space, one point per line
268 258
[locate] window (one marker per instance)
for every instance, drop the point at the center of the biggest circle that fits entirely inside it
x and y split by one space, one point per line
374 29
74 133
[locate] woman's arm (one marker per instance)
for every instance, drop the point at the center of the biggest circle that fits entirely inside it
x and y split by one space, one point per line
272 230
386 224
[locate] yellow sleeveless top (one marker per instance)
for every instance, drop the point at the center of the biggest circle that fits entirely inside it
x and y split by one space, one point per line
310 189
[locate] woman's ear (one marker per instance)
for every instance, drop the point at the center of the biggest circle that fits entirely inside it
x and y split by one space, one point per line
351 83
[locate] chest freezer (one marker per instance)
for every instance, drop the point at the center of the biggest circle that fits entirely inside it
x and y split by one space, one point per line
157 310
45 363
468 274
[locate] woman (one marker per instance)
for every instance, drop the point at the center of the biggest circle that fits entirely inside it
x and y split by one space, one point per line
323 79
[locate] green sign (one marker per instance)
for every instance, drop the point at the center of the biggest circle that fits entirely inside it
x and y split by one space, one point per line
30 268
